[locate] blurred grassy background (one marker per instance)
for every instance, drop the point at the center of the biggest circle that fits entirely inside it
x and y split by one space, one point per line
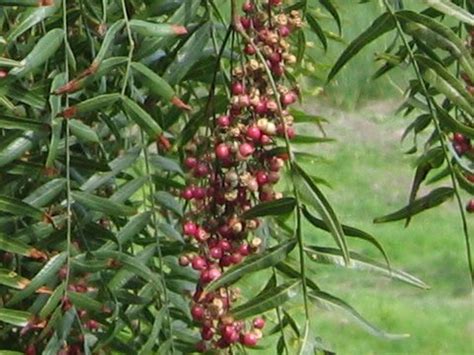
371 176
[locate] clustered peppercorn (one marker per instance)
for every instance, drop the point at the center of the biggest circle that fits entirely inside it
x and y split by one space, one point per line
233 168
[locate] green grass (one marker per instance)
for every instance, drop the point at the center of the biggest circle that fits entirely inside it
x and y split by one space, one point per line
371 177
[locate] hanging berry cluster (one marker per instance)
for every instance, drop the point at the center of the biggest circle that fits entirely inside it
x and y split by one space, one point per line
233 168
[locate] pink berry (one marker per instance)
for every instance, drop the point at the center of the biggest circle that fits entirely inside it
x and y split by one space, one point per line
229 334
288 98
187 193
250 49
274 58
247 6
199 193
207 333
261 108
223 121
259 323
254 133
214 273
222 151
284 31
236 258
470 206
189 228
262 177
197 312
249 339
246 149
199 263
226 260
264 139
275 2
237 88
190 162
201 347
201 170
92 324
215 252
244 249
225 245
245 22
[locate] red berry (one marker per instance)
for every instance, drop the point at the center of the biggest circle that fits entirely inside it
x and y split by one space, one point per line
244 249
237 88
199 193
3 73
236 258
249 339
197 312
199 263
247 6
214 273
190 162
254 133
246 149
274 58
470 206
288 98
215 252
30 350
201 347
189 228
284 31
459 138
229 334
222 151
259 323
250 49
201 170
207 333
225 245
223 121
275 2
187 193
92 324
261 108
262 177
245 22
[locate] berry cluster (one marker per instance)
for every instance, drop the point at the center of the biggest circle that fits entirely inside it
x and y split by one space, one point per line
234 167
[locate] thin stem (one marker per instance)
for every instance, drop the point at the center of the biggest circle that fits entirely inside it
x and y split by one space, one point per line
166 300
278 312
68 156
440 133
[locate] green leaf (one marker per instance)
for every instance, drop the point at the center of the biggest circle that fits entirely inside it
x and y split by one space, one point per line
166 164
359 262
330 302
17 147
14 317
188 55
44 49
44 276
451 9
327 4
31 18
83 132
317 30
271 208
141 117
273 298
152 81
17 247
10 122
151 29
107 43
168 201
253 263
19 208
46 193
349 232
380 26
433 199
102 204
311 193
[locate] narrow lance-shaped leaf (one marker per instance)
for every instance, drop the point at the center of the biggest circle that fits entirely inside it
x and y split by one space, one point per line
17 147
46 193
19 208
48 272
15 317
93 104
254 263
102 204
34 16
311 193
271 208
152 29
317 30
433 199
83 132
17 247
359 262
141 117
328 5
158 86
380 26
273 298
9 122
44 49
451 9
330 302
106 44
12 279
348 231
